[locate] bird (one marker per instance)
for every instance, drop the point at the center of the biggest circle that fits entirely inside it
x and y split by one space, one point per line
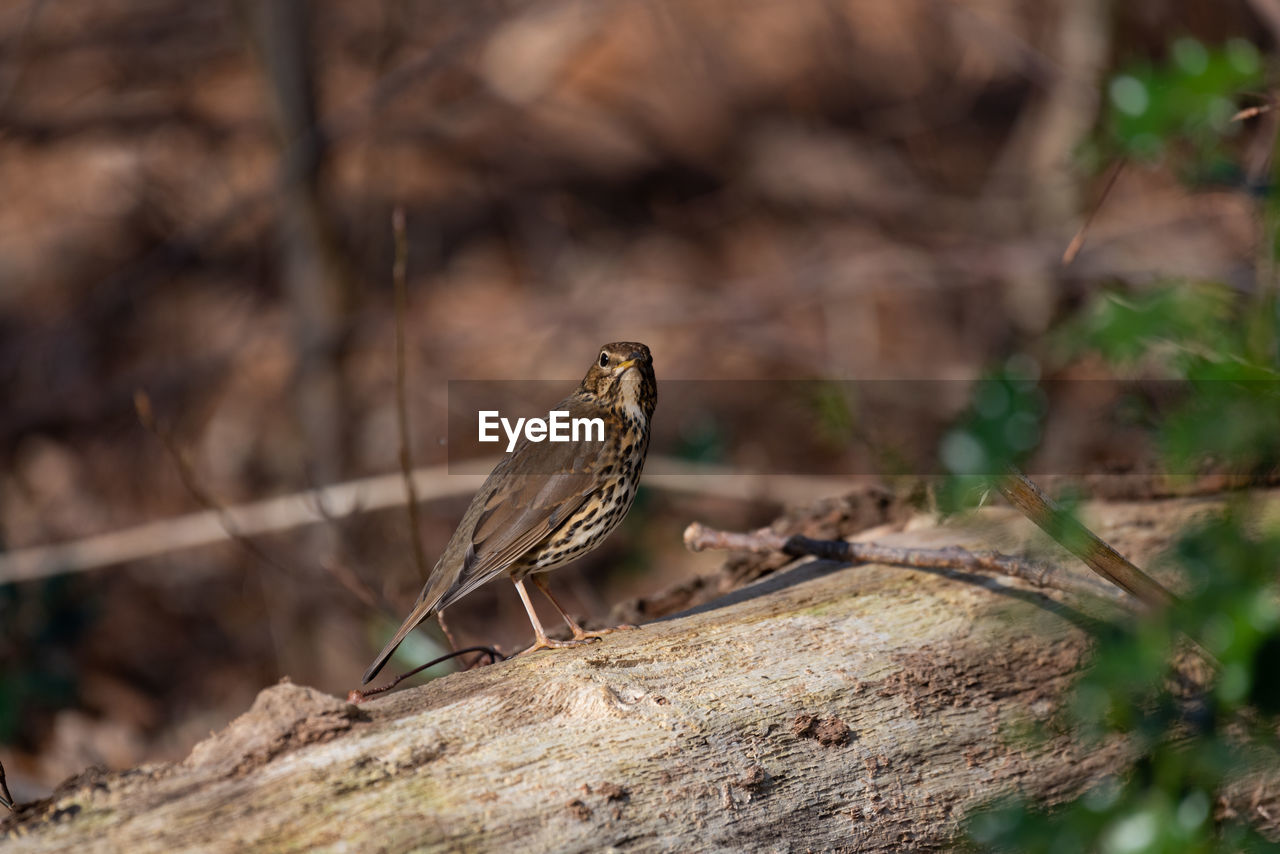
548 503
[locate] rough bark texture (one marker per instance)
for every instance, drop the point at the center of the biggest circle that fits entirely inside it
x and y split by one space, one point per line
825 707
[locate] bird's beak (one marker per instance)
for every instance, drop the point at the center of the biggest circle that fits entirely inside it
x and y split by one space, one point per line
632 358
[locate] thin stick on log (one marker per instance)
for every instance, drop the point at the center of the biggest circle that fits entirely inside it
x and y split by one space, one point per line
1024 495
356 695
698 537
1063 526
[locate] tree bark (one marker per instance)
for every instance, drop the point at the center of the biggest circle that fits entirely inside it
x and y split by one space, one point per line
825 707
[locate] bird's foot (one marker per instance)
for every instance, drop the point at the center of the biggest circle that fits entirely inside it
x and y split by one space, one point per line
548 643
595 634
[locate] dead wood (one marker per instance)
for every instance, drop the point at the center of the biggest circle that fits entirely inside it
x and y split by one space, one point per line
698 537
822 707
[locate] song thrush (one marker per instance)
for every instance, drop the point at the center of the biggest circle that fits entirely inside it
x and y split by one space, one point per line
547 503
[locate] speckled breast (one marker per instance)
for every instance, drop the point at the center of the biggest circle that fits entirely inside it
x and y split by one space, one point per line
596 518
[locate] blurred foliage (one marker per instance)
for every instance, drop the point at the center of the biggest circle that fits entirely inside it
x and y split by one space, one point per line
640 554
702 441
1188 740
1176 322
834 413
999 429
1192 332
1191 735
1187 102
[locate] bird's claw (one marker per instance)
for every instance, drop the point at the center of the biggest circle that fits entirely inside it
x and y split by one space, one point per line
595 634
548 643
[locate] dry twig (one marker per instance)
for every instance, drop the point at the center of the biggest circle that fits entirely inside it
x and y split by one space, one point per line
356 695
1077 242
398 277
698 537
1060 524
345 577
147 417
365 495
402 407
1252 112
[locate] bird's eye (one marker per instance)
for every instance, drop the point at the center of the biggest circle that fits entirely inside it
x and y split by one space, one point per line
604 359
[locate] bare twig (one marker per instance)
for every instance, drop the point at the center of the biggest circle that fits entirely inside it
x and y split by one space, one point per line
353 583
698 537
1063 526
201 529
1252 112
356 695
398 277
366 495
1077 242
402 406
335 568
147 417
334 564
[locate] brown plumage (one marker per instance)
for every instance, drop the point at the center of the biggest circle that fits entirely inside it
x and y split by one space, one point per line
547 503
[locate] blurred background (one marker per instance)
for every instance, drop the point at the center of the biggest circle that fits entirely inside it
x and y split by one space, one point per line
197 204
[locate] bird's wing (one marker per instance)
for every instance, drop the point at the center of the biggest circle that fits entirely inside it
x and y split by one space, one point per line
528 505
524 499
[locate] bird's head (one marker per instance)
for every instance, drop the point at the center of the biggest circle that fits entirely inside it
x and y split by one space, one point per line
621 378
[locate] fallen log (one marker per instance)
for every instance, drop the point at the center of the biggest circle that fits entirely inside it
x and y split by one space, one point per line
825 706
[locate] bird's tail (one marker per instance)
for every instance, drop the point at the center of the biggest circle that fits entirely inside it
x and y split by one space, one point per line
441 592
424 608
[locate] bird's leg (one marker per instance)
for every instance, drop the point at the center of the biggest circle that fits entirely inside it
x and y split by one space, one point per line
541 641
578 633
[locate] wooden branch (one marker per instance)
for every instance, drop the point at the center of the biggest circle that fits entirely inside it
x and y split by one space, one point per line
365 495
1059 524
1067 530
698 537
253 519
